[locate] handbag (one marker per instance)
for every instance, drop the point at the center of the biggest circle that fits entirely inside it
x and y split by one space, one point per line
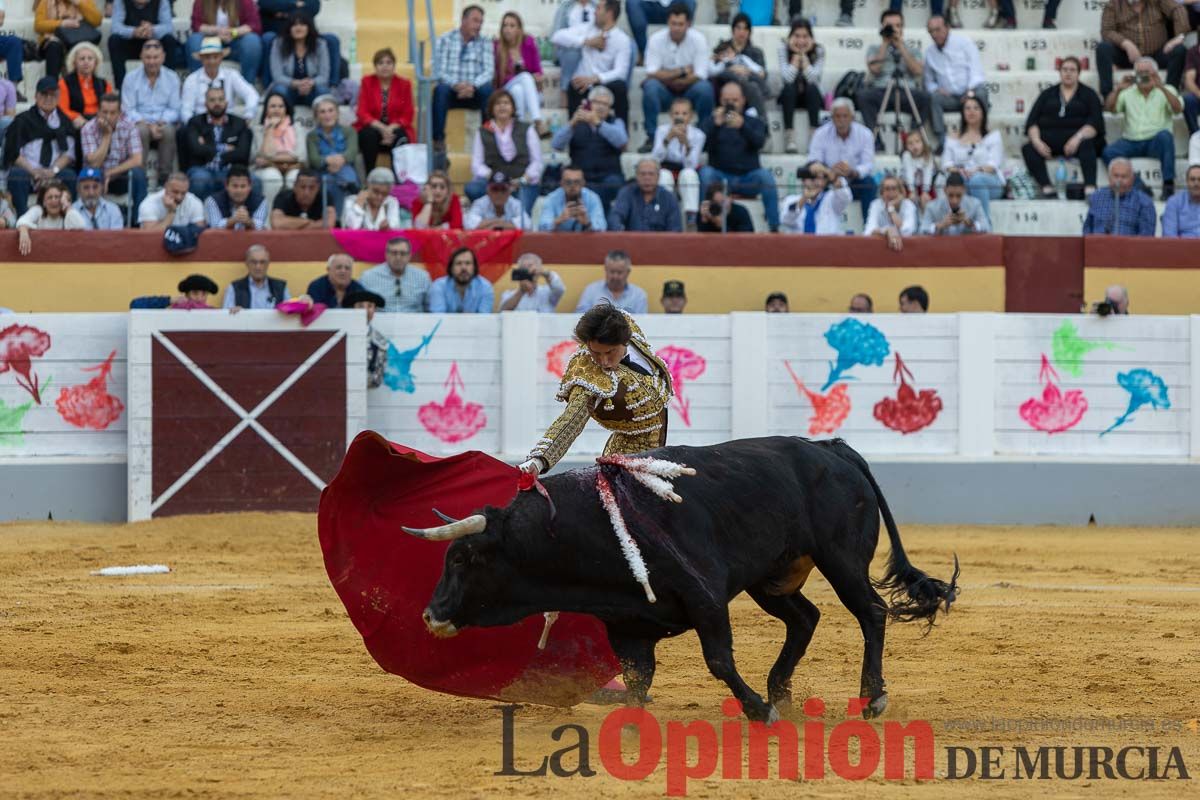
73 36
849 85
410 162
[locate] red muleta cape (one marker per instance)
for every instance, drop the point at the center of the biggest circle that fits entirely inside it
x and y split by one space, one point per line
385 578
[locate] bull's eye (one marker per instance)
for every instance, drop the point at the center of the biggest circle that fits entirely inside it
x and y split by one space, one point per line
457 560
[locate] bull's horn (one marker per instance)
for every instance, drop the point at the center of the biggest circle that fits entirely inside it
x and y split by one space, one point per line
445 517
455 530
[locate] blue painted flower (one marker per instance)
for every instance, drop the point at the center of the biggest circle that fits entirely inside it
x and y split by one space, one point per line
856 343
398 372
1145 388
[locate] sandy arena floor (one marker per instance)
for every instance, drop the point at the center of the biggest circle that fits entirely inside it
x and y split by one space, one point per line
239 674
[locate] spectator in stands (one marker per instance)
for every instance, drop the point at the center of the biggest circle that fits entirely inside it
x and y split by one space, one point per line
538 289
150 100
1118 208
519 71
847 148
918 168
952 72
1002 14
12 50
777 303
892 215
98 212
275 153
332 148
676 66
745 62
914 300
236 26
1181 217
257 290
1066 120
135 23
111 143
52 211
52 17
39 146
237 207
171 205
643 13
1148 128
891 58
497 210
337 282
374 208
570 14
506 145
194 291
239 92
212 143
303 206
462 290
377 343
719 214
734 135
463 65
674 297
438 206
8 218
8 98
1133 29
1118 296
593 139
818 209
678 145
862 304
977 154
405 285
79 92
299 62
954 213
384 118
801 61
644 205
572 207
606 59
1190 88
615 287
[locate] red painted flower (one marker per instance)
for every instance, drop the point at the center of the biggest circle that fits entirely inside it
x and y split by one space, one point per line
829 410
558 356
90 405
910 410
1056 411
18 345
452 420
684 365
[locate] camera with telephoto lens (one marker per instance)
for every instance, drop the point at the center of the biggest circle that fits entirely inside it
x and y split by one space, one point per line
522 274
1104 308
1144 78
887 31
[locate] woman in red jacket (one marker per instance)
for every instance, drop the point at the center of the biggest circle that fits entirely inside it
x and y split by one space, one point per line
385 110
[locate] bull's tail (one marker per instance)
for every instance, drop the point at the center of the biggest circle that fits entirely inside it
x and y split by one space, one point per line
912 595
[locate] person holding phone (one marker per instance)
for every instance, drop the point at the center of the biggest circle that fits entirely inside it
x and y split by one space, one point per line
954 213
538 289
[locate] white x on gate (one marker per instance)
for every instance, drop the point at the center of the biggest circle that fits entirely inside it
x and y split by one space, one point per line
248 418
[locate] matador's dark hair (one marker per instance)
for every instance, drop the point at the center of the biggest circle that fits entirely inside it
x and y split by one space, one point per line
604 323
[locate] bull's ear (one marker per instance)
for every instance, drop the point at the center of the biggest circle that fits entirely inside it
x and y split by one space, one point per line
473 524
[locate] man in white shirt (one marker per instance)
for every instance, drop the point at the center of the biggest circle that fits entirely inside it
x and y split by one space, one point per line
570 14
952 68
818 210
497 210
171 205
606 58
847 148
530 295
678 145
677 62
240 94
643 13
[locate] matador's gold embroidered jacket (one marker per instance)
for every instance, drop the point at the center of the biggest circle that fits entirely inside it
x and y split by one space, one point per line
624 401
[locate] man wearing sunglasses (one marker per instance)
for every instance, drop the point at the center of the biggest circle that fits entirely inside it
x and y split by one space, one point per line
402 285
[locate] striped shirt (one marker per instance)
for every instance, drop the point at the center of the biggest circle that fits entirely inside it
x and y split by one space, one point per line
124 144
408 293
458 61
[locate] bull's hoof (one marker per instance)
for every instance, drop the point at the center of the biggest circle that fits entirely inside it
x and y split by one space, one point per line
759 711
875 707
773 716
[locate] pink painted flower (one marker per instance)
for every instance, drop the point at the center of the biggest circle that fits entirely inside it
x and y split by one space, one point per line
1056 411
558 356
684 365
18 345
453 420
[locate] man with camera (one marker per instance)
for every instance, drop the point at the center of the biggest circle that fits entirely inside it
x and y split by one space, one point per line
572 207
676 66
719 214
818 210
1149 107
952 69
891 62
1116 301
678 145
1133 29
1119 208
734 135
538 289
954 213
594 139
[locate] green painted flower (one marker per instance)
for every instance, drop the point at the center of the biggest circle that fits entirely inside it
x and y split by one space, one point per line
11 418
1070 348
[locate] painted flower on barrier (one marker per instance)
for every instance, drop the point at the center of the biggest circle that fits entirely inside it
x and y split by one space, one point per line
684 365
1145 389
90 405
19 344
909 411
829 410
11 419
1056 411
397 375
453 420
1069 348
856 343
558 356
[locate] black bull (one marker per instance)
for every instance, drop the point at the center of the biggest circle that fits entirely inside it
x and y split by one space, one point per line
758 515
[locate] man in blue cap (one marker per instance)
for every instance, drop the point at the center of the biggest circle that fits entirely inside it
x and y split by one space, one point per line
100 213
